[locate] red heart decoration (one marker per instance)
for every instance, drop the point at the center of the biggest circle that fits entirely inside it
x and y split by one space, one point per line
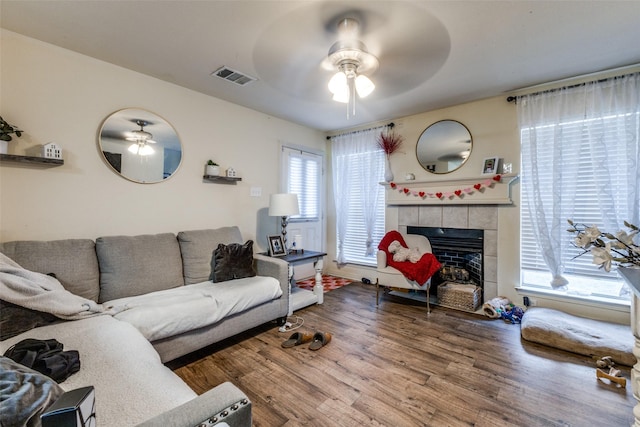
497 178
458 192
406 190
439 195
392 184
421 194
477 186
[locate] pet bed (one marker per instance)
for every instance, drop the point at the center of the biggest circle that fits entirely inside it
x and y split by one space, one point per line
579 335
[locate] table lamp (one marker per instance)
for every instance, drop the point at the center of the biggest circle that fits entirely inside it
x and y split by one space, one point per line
284 205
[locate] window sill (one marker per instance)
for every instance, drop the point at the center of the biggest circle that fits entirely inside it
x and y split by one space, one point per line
590 301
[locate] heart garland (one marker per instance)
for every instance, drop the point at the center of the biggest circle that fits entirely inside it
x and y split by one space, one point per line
488 183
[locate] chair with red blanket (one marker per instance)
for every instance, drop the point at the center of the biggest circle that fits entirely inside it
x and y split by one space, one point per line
405 275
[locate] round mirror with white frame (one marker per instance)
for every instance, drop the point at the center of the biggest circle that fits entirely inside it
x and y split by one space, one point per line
444 146
140 146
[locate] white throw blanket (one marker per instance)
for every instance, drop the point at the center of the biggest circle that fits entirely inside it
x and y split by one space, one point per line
156 315
41 292
162 314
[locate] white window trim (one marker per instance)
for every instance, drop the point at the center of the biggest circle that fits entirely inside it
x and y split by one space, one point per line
284 169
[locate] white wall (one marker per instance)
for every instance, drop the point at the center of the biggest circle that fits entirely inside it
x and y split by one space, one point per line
58 95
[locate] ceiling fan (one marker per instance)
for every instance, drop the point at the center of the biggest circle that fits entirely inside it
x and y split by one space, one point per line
353 62
399 45
140 139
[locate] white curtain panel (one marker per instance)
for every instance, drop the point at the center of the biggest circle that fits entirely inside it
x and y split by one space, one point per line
356 160
556 126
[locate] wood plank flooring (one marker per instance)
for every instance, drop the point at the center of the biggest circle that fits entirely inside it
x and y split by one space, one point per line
394 365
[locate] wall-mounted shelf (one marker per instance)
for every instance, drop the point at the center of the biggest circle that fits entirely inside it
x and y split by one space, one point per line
222 179
30 160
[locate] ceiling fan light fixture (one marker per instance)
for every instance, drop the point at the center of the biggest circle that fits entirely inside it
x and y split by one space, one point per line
364 86
338 83
353 61
141 149
140 134
141 139
146 150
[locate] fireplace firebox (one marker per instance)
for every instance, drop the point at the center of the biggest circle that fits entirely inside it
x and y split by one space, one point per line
457 248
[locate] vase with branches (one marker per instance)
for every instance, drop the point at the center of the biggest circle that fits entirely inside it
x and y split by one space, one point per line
389 142
606 248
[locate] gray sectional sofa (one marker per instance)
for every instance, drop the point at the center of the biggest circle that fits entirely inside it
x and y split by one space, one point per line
168 307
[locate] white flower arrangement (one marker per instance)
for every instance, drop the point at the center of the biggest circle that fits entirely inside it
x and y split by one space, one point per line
607 249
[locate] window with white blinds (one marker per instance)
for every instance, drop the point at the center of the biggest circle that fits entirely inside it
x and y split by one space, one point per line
355 241
585 204
304 174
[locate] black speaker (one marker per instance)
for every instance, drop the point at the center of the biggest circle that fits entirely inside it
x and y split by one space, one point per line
75 408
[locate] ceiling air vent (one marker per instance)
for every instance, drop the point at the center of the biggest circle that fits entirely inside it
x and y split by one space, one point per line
233 76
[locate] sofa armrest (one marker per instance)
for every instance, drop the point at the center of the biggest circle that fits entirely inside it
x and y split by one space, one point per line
225 403
273 267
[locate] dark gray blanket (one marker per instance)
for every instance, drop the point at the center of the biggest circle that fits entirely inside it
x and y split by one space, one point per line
24 394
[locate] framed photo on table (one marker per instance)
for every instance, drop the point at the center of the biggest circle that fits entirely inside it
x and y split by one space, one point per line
490 165
276 246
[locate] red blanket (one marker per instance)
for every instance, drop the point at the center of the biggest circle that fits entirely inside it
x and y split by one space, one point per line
421 271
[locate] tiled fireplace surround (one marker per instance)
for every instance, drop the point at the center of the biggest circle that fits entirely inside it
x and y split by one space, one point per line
484 217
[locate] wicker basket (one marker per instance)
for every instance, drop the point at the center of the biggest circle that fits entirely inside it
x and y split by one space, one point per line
459 296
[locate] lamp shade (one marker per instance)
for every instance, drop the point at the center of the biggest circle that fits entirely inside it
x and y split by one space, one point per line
364 85
283 204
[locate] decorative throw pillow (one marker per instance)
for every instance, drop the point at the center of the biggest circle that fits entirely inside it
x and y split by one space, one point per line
233 261
15 319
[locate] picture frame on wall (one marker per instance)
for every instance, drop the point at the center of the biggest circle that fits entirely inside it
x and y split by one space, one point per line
276 246
490 165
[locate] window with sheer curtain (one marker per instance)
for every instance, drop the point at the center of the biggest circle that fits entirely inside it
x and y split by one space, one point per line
580 161
358 169
304 172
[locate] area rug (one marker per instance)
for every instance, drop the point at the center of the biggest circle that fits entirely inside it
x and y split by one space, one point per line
579 335
328 282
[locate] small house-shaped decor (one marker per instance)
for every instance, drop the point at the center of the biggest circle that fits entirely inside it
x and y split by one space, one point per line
51 151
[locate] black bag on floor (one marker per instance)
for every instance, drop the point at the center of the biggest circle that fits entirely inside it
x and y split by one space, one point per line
46 357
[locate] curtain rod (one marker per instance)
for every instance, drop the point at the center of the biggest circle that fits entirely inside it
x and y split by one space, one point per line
390 125
515 98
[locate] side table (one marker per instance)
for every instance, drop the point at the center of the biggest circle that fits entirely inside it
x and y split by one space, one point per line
302 297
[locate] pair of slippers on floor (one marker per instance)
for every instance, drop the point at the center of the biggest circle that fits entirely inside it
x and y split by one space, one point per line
317 340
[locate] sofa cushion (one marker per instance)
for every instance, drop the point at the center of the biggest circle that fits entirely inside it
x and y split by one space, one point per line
136 265
233 261
187 309
197 248
73 262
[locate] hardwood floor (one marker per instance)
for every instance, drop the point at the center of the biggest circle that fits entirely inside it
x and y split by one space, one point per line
397 366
